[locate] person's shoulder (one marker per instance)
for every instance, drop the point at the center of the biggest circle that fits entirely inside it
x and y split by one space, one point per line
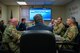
30 28
74 28
21 23
61 25
48 27
8 29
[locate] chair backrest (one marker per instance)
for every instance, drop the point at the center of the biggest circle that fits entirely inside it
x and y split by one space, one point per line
37 41
77 38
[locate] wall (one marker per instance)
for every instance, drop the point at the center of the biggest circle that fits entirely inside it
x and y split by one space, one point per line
17 10
56 11
14 10
23 11
73 9
59 11
4 12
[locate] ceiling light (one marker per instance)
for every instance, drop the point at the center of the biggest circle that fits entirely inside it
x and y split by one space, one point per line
21 3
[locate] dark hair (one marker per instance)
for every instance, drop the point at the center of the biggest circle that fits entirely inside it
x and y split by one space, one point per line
23 19
2 21
73 18
38 18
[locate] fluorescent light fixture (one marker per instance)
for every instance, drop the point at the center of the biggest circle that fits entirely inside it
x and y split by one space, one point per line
21 3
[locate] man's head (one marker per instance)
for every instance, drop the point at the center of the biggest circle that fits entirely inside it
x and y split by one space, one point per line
38 18
23 20
59 20
70 21
2 21
14 21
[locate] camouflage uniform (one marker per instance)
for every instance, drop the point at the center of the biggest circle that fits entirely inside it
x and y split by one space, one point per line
71 33
11 37
59 29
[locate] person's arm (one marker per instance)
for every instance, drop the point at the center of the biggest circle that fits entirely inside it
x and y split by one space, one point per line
71 34
59 30
6 35
24 27
20 27
16 35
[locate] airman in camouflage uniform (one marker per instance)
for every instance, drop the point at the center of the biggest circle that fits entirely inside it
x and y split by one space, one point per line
59 27
12 37
72 31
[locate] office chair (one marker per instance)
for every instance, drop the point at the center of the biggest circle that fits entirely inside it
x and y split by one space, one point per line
37 41
75 46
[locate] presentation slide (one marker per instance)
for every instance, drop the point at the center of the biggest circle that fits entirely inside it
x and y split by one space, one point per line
45 12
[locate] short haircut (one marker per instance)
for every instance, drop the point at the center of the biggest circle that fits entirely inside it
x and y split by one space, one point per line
2 20
38 18
23 19
73 19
